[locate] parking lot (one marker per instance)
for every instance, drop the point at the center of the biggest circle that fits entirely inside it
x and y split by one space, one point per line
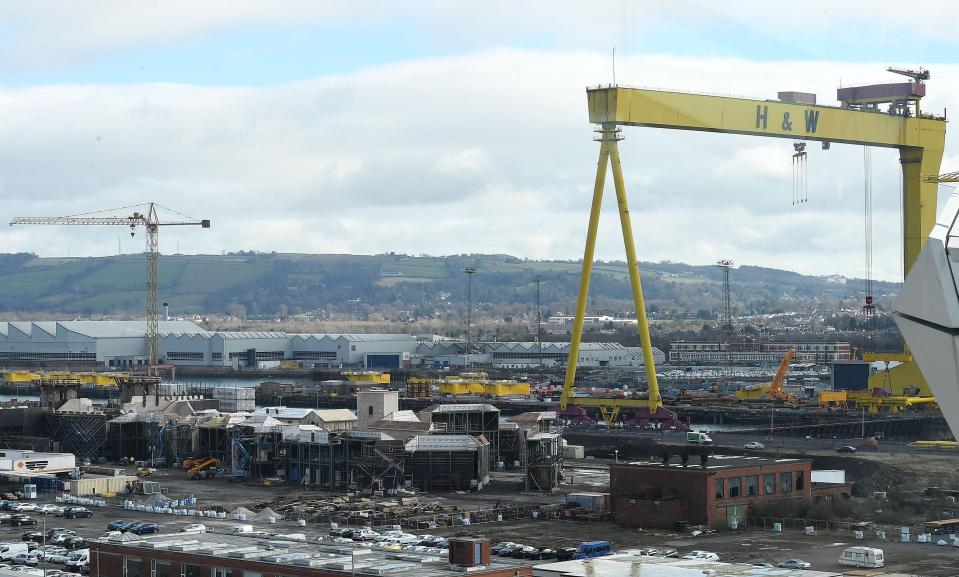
743 546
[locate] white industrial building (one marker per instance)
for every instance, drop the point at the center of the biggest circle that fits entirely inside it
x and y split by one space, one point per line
122 344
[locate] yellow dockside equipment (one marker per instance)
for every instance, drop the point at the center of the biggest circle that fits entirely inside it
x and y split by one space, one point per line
920 139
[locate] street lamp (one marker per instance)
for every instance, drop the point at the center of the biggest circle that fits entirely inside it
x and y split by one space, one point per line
616 454
470 271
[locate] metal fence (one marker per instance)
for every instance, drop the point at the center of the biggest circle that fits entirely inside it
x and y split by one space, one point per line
784 524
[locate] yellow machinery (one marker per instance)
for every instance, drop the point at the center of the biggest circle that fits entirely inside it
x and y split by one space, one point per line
920 139
85 378
367 377
832 399
419 388
773 390
204 469
945 445
479 383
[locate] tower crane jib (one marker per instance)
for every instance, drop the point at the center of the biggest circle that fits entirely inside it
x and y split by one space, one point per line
151 222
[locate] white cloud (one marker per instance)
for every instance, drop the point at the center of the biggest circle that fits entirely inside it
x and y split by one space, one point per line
49 34
488 152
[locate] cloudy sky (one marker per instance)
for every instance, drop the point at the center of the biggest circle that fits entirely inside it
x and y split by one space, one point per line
444 127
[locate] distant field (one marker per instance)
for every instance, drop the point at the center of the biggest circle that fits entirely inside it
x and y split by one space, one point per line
263 283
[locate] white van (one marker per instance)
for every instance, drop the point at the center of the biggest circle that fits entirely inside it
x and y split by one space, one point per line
10 550
78 559
862 557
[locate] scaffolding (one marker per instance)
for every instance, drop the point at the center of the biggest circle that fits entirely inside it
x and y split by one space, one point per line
544 462
476 419
83 434
361 461
448 462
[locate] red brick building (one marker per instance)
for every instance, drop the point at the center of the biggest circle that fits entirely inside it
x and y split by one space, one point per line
716 493
221 555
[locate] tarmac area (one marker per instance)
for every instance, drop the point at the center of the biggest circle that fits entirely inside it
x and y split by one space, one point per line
748 546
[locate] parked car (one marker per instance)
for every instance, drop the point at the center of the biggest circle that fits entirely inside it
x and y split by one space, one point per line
442 544
566 553
701 556
76 513
35 536
60 557
18 520
5 517
75 542
145 529
60 537
754 445
846 449
795 564
193 528
364 535
9 497
50 509
27 559
117 525
7 505
21 507
131 526
516 550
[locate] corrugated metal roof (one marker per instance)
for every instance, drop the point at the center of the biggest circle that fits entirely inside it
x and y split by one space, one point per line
466 407
234 335
404 416
119 329
335 415
442 443
283 412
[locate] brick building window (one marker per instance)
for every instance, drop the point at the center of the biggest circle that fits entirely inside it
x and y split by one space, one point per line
785 482
222 572
161 568
735 487
720 489
752 485
799 481
187 570
769 484
133 567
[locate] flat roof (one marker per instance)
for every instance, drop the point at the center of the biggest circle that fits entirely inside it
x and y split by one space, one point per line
629 565
281 552
714 463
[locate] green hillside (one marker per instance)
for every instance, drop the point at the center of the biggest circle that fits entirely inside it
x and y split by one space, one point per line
389 284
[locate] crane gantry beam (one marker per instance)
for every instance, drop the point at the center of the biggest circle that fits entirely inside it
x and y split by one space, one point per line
151 222
920 139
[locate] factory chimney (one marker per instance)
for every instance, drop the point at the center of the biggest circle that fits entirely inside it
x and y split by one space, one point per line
166 311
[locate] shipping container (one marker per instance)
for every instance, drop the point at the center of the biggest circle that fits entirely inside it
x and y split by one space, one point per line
589 501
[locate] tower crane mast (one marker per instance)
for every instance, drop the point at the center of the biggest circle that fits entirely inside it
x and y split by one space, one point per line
151 222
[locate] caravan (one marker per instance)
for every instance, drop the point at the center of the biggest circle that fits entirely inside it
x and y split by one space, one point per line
862 557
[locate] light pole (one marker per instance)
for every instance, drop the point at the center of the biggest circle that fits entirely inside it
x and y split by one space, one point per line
616 454
470 271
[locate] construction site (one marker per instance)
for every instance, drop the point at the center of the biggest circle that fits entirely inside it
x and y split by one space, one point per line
382 435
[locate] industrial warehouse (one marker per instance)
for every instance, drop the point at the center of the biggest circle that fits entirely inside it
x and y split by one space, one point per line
123 344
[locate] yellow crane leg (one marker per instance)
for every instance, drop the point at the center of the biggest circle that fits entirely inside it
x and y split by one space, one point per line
609 413
577 334
655 401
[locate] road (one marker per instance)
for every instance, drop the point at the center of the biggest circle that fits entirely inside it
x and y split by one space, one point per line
737 441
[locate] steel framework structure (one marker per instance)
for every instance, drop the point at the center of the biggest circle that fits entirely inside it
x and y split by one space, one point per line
920 139
151 222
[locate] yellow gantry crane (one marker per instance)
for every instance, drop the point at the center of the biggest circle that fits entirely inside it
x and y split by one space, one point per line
860 119
151 222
